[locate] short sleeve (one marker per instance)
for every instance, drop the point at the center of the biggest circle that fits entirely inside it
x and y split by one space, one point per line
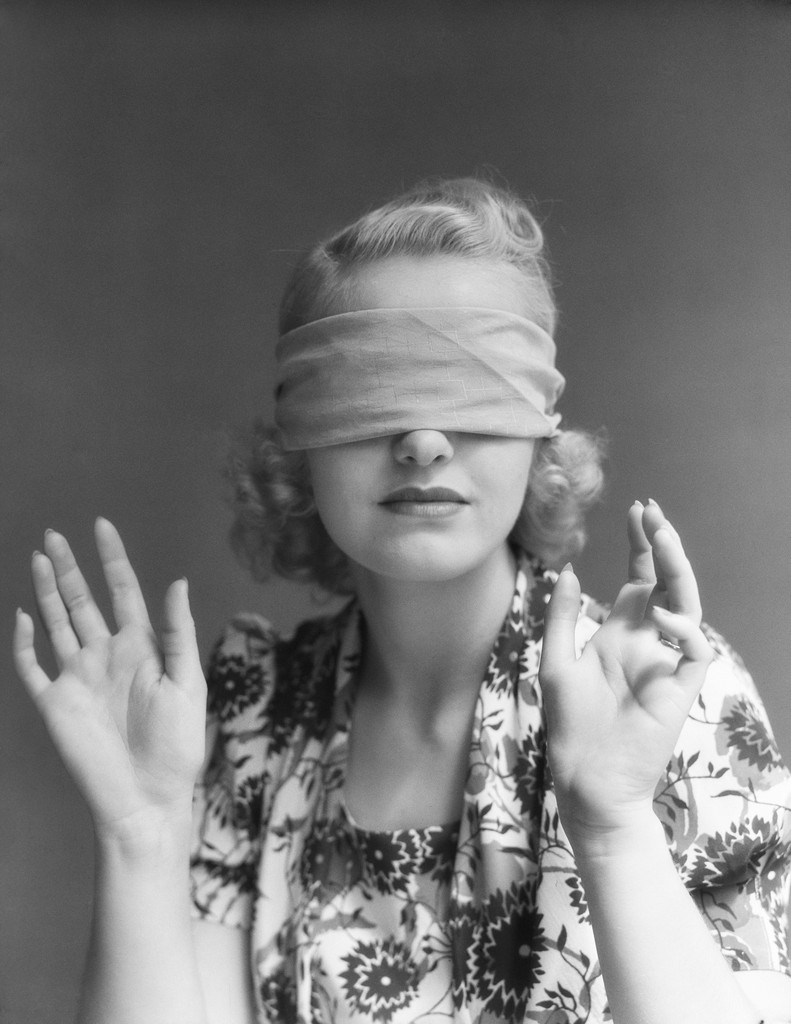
230 797
725 803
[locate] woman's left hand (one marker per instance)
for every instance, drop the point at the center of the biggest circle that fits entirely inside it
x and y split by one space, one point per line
615 713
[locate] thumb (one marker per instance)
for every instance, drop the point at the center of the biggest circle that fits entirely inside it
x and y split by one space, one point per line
179 645
559 649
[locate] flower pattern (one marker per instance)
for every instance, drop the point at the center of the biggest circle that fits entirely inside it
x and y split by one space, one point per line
234 686
481 921
380 978
748 736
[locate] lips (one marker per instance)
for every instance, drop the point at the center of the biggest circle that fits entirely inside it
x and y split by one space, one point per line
424 496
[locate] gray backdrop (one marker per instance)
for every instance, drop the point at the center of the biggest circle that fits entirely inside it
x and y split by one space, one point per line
162 162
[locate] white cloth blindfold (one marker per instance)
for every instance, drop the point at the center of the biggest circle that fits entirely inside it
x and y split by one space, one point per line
375 372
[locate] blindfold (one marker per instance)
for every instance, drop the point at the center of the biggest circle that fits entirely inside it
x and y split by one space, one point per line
375 372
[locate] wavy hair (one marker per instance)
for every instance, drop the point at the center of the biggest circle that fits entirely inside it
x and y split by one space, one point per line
276 525
465 217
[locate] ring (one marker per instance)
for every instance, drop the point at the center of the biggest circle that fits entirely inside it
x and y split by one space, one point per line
668 643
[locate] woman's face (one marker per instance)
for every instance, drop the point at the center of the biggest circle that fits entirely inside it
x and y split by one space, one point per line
427 505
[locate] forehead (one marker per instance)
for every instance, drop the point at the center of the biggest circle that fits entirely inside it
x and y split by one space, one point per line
410 282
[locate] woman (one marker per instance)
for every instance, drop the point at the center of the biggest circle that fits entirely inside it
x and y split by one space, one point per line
397 821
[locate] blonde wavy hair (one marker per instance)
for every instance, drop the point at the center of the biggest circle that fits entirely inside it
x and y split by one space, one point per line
276 525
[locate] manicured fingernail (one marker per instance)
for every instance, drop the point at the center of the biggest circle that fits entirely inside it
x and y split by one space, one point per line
568 567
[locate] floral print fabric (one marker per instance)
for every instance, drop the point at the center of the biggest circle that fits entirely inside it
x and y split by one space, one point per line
483 921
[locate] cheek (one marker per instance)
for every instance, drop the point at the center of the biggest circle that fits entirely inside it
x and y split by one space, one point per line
514 499
507 473
338 480
324 478
320 473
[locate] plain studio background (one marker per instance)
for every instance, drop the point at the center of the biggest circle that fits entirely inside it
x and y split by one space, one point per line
161 164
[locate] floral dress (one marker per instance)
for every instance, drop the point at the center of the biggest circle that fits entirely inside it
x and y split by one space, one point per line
484 920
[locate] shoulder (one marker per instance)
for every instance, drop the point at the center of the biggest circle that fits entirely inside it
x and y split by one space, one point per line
725 800
240 664
252 662
728 711
728 674
730 704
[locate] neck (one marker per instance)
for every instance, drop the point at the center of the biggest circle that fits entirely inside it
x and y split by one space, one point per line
428 644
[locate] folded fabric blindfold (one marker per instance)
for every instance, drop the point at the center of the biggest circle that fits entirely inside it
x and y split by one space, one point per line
374 372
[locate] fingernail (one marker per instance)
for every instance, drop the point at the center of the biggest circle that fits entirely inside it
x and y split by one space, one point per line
568 567
638 503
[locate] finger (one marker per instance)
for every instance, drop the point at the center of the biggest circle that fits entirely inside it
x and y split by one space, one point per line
654 518
179 645
28 669
559 649
129 607
86 619
52 610
681 587
641 555
633 598
696 651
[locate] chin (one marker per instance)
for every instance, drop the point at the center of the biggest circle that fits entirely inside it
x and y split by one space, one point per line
419 565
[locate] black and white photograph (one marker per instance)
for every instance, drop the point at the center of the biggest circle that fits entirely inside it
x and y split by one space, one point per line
396 534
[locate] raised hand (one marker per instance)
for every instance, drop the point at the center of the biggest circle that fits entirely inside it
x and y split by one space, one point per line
614 714
126 712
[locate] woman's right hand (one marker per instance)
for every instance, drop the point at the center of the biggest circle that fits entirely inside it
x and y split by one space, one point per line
126 711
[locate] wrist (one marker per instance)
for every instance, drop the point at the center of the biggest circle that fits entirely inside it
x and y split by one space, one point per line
157 834
634 834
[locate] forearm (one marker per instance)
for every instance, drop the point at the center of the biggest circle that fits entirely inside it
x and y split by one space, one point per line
141 966
659 962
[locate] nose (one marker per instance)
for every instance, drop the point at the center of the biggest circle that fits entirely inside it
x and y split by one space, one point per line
423 447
